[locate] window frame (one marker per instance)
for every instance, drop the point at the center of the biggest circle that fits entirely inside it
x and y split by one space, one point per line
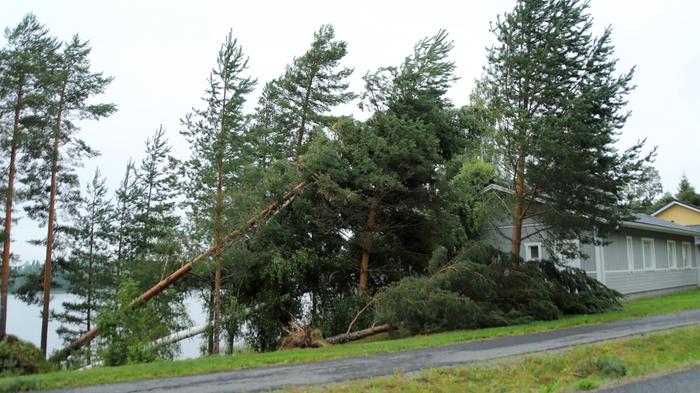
672 263
687 254
630 253
528 256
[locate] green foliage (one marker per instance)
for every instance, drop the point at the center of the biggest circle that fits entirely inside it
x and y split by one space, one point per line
126 334
19 357
480 288
560 103
87 270
686 192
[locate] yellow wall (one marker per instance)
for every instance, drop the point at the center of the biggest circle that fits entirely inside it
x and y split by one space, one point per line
680 215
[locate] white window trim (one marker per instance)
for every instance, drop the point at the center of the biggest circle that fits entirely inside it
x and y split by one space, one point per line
630 253
528 257
653 254
672 263
687 250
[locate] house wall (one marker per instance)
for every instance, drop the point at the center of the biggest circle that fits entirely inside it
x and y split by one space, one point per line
618 273
680 215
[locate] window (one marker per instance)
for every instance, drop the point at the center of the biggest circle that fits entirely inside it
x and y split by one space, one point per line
533 251
630 254
671 254
648 254
687 254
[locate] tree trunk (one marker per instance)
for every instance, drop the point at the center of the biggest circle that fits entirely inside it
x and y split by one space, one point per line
517 235
185 268
5 280
216 328
360 334
371 227
50 226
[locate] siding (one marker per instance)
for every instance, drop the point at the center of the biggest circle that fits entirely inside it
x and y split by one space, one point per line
631 282
617 274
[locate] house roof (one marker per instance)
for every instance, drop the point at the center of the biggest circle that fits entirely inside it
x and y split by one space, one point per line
647 222
678 203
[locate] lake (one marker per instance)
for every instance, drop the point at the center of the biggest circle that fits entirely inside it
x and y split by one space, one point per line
24 321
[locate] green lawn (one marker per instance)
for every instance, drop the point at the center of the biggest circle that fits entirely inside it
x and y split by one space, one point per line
632 309
585 367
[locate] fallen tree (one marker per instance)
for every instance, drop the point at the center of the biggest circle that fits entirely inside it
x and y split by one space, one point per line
360 334
265 213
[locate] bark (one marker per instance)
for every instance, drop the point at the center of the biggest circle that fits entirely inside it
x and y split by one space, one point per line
216 328
50 224
5 275
518 213
181 335
360 334
371 228
185 268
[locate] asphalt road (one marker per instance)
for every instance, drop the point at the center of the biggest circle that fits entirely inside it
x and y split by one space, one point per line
687 381
277 377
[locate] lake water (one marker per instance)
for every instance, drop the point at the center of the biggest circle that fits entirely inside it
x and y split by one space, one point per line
24 321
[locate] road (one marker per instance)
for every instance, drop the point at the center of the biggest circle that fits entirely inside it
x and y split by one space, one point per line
277 377
687 381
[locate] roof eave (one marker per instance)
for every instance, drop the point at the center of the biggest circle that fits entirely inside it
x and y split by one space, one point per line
656 228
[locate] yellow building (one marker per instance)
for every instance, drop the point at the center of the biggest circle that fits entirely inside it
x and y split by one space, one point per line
680 213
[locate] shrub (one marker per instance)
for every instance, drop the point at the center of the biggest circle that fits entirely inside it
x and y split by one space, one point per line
18 357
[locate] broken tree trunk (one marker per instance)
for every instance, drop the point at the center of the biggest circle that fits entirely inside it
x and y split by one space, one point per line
360 334
184 269
181 335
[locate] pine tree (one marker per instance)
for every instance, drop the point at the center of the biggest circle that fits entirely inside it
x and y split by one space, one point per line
218 143
24 61
301 99
560 106
88 272
72 85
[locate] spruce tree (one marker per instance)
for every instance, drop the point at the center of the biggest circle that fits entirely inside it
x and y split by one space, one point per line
218 143
560 104
686 192
24 62
88 274
126 197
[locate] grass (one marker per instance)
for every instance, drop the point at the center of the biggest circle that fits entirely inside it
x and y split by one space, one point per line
584 367
633 309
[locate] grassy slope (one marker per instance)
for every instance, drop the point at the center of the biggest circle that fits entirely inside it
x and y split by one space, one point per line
584 367
632 309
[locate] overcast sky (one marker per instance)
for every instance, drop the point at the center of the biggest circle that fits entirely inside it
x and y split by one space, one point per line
160 53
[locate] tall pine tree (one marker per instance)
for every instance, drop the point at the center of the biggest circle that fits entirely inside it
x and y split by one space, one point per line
24 64
219 145
72 85
560 105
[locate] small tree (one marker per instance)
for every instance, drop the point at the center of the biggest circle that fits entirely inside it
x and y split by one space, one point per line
87 272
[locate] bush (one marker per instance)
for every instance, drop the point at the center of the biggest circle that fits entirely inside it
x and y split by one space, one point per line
18 357
480 288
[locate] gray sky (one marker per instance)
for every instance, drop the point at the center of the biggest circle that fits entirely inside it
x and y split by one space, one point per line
160 53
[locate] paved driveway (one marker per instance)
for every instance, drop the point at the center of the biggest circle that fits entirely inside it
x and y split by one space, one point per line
276 377
687 381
